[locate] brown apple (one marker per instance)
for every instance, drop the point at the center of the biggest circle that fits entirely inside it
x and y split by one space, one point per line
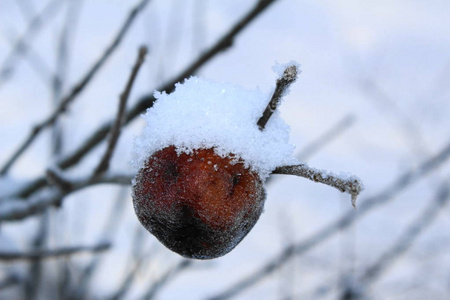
199 205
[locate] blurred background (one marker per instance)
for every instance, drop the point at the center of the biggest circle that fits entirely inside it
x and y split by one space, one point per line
373 99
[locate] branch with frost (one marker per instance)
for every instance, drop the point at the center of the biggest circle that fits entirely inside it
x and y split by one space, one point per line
289 76
345 221
103 166
147 101
77 89
18 208
55 253
344 183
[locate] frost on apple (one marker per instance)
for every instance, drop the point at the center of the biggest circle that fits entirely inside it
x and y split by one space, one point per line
201 163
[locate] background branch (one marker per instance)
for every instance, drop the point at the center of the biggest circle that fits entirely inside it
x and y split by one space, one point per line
147 101
17 209
77 89
55 253
120 118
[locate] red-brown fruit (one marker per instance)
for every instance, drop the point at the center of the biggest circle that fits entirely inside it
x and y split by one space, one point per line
199 205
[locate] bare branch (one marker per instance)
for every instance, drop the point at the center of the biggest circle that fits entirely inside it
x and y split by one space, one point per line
55 253
55 177
17 209
348 184
120 117
283 83
346 220
147 101
77 89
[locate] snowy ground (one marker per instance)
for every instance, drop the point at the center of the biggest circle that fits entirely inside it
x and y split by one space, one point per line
385 64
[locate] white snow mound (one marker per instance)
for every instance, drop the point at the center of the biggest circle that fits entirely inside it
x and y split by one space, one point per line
201 113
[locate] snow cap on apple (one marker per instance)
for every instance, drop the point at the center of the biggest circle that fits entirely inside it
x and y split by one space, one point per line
201 163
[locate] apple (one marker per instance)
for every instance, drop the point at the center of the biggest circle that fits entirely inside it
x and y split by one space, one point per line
200 205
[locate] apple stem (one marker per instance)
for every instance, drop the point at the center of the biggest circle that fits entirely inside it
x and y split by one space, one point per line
283 83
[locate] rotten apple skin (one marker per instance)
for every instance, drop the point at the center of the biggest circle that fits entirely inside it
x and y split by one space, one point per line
199 205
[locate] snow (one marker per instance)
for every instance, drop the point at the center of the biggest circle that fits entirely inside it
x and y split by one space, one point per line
279 68
201 113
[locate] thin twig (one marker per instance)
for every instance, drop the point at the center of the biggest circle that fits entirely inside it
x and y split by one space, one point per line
17 209
120 117
147 101
346 220
348 184
55 253
283 83
77 89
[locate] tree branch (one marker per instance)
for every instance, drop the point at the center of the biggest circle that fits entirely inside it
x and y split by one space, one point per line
55 253
77 89
348 184
147 101
17 209
120 117
283 83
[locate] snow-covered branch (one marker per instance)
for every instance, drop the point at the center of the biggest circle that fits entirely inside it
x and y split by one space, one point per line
344 183
286 79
